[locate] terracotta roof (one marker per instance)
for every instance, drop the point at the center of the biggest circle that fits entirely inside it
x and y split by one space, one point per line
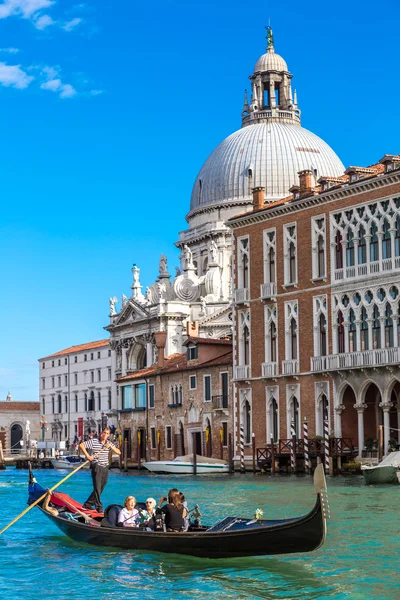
177 362
80 348
211 341
19 406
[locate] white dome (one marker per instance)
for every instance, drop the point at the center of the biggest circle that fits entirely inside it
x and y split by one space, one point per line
274 153
270 62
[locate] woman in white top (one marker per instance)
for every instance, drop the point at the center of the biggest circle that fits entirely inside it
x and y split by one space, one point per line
129 515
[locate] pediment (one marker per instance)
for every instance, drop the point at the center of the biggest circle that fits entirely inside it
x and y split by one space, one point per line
221 318
132 311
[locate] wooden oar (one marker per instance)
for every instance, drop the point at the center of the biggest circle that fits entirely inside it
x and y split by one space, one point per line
48 491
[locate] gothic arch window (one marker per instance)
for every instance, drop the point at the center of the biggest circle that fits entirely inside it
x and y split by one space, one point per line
364 330
338 251
290 251
271 264
320 325
374 243
376 328
386 240
270 256
350 249
246 345
292 263
389 339
321 256
322 336
362 246
244 338
340 332
243 263
352 331
271 354
247 422
274 419
294 414
293 339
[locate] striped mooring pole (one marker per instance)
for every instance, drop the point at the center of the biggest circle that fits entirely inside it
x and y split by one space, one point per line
292 447
242 469
326 442
307 464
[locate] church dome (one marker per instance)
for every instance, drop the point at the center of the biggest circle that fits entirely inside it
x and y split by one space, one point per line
270 62
268 155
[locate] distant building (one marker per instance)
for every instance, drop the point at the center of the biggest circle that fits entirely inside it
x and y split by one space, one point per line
181 401
75 390
19 421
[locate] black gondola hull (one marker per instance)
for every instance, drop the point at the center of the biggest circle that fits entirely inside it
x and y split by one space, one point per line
303 534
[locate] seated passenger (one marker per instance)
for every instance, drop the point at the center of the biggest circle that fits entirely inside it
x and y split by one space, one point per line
148 516
174 511
129 516
186 518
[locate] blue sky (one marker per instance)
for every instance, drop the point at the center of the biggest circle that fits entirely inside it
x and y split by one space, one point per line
109 109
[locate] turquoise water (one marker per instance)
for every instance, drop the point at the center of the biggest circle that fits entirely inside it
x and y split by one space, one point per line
360 560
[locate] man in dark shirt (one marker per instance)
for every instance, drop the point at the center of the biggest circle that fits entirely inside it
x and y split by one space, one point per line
99 465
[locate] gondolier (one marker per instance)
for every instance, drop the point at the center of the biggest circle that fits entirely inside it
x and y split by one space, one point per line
99 465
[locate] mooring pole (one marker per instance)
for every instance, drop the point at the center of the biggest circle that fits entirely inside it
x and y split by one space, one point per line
293 447
272 454
125 454
326 443
139 437
253 443
307 465
242 468
230 454
194 440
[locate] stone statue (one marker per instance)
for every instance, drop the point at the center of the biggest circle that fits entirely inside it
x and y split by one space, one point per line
113 301
124 300
213 252
162 266
136 273
270 37
187 257
27 427
203 310
161 290
148 295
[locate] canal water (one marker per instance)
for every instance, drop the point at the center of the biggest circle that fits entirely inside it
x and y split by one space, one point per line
360 560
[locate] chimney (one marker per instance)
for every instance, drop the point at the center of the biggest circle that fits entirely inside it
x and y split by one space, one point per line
161 340
192 329
258 198
306 182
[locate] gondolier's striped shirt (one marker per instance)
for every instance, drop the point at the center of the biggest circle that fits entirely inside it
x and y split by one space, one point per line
95 446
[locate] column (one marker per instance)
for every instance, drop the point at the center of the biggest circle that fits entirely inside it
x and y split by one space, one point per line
338 421
114 398
358 334
392 245
382 322
346 326
386 406
368 249
149 354
360 413
124 361
370 340
395 331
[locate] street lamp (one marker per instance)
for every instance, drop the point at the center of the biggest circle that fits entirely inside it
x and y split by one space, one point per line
43 426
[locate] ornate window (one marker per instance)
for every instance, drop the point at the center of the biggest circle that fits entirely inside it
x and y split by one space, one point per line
350 249
243 262
374 243
388 327
318 247
362 246
386 240
270 256
320 325
272 395
244 338
291 329
271 350
364 330
340 332
338 250
290 254
376 328
245 414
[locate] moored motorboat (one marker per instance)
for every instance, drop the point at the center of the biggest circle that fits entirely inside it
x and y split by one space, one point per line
184 465
67 462
387 471
230 537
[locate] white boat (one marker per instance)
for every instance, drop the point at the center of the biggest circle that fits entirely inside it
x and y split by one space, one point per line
184 465
67 462
387 471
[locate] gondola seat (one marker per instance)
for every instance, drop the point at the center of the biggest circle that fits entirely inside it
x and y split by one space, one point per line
111 515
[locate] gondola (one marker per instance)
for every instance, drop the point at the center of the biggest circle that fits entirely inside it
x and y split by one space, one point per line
232 537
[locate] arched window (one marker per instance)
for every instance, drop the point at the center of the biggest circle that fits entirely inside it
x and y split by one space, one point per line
271 265
59 407
274 419
388 327
294 413
338 251
362 247
250 176
246 346
292 263
324 408
322 335
340 332
247 422
374 244
350 249
293 339
352 332
321 256
273 343
376 328
245 264
386 241
364 330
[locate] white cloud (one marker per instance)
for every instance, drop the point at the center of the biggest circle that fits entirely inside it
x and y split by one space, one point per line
96 92
54 84
10 50
70 25
43 22
14 76
25 8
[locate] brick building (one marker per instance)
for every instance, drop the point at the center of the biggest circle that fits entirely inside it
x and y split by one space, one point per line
317 307
180 400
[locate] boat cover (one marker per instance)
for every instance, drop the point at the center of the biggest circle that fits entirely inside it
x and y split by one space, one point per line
199 459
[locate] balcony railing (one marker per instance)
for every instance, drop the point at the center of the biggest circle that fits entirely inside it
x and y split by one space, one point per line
270 369
268 290
242 295
220 402
242 372
290 367
362 270
175 405
356 360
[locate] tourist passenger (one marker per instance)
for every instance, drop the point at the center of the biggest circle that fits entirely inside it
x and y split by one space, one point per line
129 515
186 518
99 465
148 516
174 511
